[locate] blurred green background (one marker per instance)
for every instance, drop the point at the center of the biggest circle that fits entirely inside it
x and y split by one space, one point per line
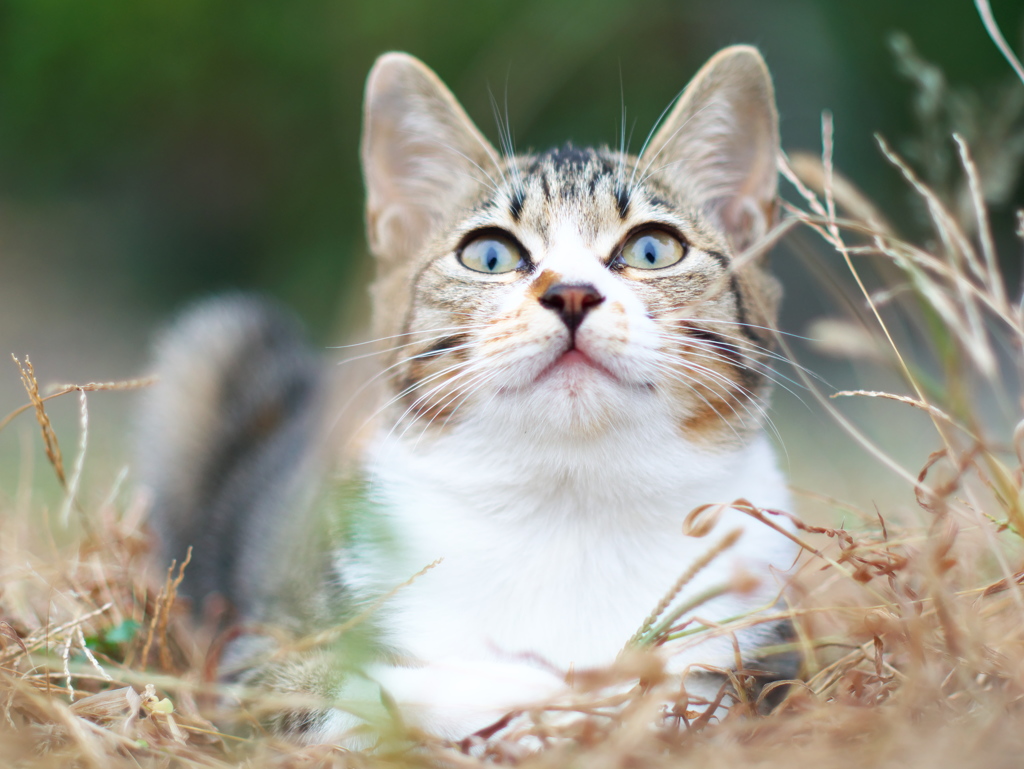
153 151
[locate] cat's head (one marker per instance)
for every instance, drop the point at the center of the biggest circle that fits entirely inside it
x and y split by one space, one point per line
580 287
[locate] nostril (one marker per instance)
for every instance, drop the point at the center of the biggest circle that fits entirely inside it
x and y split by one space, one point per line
571 302
553 302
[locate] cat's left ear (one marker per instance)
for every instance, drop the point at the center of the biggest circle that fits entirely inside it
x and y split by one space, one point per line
422 155
719 145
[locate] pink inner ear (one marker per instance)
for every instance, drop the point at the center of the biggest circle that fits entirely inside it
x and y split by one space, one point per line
747 220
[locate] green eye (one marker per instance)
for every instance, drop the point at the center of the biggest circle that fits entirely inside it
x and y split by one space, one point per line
652 250
491 253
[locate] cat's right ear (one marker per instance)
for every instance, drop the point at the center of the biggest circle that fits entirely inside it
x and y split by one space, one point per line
421 154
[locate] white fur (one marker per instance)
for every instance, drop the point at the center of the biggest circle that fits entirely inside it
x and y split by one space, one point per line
559 571
556 502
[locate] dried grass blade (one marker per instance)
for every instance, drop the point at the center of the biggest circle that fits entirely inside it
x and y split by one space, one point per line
48 631
684 579
809 167
89 655
933 410
985 10
333 633
962 255
127 384
8 631
52 447
123 384
77 467
840 245
988 249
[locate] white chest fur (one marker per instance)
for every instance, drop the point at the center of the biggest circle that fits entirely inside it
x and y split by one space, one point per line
558 551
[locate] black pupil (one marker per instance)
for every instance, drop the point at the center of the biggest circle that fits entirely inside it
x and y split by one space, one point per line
650 251
491 260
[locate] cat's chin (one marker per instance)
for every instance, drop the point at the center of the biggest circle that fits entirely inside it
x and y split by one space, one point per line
574 395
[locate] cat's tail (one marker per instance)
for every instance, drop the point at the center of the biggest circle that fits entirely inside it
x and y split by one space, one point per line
228 449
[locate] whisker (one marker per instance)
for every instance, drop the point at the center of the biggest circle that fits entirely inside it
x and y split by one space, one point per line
461 368
687 361
403 334
464 391
750 399
417 413
405 392
742 342
684 124
490 182
650 135
773 329
505 140
362 388
396 348
692 383
758 367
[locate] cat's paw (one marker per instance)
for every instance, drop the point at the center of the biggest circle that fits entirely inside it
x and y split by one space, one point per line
456 699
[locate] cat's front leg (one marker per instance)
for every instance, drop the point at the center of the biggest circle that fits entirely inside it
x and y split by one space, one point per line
321 695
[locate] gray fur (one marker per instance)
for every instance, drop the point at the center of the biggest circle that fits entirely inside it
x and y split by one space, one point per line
227 449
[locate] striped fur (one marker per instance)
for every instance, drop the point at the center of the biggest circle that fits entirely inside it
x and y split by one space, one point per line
572 208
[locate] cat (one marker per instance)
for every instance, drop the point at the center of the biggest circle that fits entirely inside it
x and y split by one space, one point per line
574 353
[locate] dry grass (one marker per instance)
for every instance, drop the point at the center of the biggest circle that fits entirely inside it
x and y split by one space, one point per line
911 627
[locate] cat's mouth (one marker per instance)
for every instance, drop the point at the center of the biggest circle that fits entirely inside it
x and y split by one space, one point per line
574 362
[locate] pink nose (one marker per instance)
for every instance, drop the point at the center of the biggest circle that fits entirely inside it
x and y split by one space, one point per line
571 302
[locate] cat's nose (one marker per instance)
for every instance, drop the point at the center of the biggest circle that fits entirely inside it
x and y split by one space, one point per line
572 302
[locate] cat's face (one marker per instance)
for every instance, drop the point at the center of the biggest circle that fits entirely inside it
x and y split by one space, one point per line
582 287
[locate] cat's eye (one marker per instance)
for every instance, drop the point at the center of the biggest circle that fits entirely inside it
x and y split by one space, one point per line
491 253
652 250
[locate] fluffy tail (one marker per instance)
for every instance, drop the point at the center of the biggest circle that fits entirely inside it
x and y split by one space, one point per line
229 450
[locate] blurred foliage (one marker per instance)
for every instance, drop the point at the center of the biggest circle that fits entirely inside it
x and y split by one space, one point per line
990 122
217 141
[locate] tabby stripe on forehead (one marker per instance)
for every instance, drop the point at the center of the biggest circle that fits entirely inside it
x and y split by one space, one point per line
516 205
622 200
